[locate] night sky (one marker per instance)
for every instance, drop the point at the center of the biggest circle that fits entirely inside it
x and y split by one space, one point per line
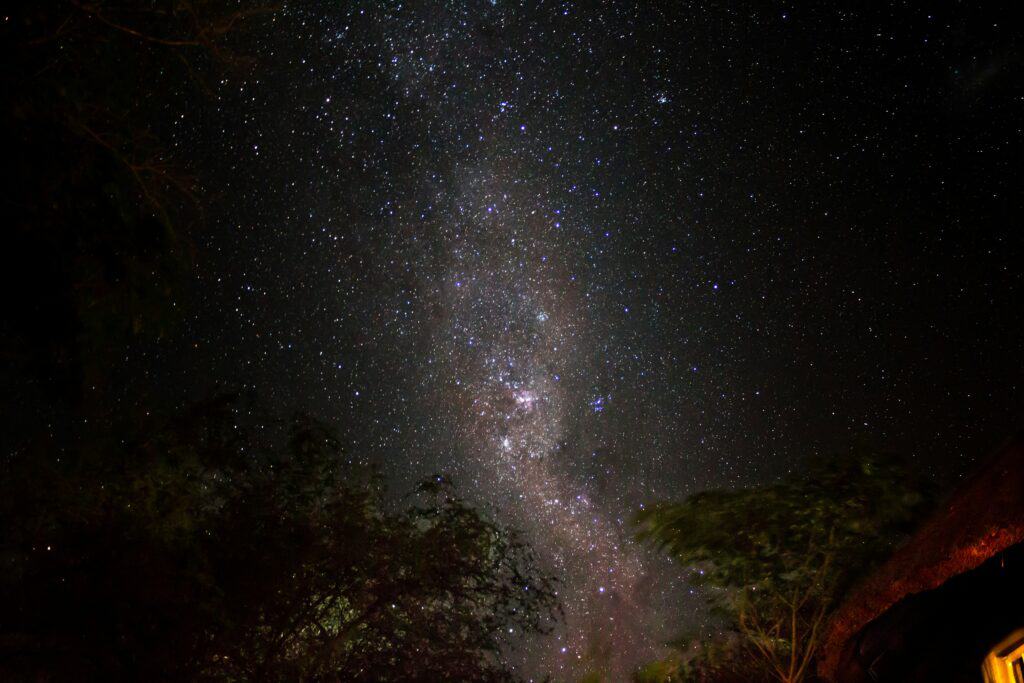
581 257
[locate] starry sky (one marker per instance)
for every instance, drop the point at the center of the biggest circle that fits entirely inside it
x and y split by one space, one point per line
584 256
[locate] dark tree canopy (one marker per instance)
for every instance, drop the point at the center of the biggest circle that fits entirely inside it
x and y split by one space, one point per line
778 557
225 547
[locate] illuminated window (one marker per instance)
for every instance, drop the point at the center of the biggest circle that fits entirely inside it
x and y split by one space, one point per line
1005 664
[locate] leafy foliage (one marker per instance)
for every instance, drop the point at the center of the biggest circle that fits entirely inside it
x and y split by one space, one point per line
709 660
212 550
777 558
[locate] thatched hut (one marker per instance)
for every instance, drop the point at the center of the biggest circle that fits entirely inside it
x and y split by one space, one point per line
950 601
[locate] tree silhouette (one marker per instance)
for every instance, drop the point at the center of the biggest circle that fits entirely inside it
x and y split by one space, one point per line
227 546
778 557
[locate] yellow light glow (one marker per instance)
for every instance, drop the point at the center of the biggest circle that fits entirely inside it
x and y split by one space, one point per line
1005 663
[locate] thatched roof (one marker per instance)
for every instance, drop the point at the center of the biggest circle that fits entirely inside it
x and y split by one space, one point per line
983 516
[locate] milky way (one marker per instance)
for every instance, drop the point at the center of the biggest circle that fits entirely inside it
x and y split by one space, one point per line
583 256
520 369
